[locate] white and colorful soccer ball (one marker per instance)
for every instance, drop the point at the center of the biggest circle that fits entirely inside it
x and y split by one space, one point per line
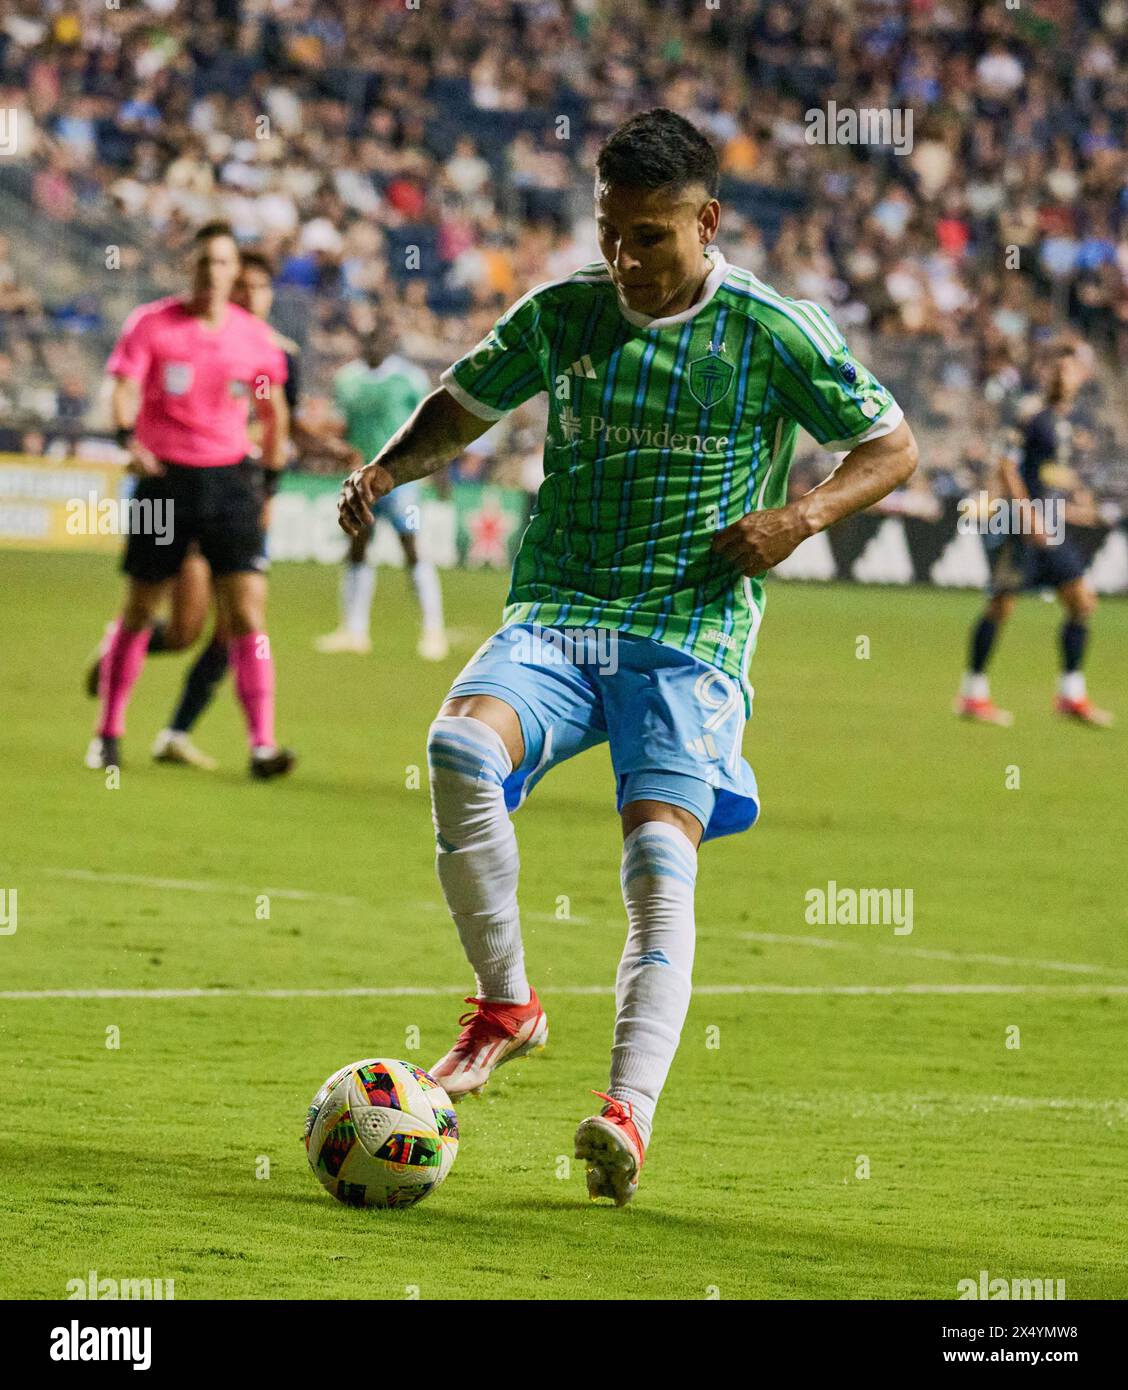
381 1133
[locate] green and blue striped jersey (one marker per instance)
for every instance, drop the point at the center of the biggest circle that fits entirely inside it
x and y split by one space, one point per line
662 431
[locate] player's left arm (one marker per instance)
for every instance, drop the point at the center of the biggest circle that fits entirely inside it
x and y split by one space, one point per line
762 539
274 415
817 383
272 409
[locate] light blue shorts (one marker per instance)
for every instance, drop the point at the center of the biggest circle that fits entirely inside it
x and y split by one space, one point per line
400 508
674 723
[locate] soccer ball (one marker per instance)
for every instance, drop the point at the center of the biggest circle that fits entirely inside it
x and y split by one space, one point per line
381 1133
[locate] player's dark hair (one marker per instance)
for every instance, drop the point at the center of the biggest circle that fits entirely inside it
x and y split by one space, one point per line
658 149
254 259
210 230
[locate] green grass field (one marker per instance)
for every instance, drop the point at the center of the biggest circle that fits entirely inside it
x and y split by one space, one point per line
806 1047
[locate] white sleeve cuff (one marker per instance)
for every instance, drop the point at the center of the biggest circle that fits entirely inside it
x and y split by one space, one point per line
467 401
883 425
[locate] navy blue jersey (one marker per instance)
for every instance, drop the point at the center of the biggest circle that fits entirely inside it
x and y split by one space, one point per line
1048 459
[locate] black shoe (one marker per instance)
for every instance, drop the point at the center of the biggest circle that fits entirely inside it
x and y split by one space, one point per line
103 752
275 764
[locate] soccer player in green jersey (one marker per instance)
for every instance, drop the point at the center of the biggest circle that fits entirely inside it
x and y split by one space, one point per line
374 395
676 385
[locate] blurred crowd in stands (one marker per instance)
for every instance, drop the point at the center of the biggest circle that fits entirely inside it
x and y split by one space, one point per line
438 157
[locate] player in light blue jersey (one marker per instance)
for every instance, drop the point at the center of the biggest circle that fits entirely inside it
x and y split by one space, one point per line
676 387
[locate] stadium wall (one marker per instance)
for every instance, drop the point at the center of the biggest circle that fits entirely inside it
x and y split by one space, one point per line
76 504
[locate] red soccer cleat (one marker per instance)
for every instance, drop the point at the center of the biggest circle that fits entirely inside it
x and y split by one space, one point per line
982 711
1084 711
494 1034
610 1145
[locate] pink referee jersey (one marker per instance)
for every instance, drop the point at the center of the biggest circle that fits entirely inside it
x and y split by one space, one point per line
197 383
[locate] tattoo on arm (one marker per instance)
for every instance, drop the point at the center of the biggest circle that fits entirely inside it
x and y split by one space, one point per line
436 433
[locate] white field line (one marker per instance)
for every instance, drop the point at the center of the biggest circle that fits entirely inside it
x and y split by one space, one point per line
437 991
922 953
188 885
571 921
769 938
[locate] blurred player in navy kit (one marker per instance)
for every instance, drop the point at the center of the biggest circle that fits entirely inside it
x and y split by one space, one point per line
1044 472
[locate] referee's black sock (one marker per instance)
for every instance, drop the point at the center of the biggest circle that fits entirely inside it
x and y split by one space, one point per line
1074 635
199 685
158 641
982 640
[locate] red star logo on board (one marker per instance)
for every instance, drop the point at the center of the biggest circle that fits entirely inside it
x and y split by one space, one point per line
489 528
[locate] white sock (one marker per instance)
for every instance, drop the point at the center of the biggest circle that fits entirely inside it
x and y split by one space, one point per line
974 687
476 856
652 987
357 584
1072 685
425 579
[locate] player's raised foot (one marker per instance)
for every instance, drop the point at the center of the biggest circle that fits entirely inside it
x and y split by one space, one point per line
612 1148
1084 711
982 711
271 762
343 641
174 746
103 751
492 1034
433 645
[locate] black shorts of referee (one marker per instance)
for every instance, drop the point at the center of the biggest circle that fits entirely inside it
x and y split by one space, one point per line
220 508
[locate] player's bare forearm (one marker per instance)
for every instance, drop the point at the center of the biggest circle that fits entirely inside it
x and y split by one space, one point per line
437 432
866 475
125 405
762 539
125 401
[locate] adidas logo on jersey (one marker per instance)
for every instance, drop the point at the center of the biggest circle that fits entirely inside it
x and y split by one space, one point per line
582 367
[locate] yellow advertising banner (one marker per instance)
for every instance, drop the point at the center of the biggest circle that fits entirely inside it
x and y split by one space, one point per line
62 504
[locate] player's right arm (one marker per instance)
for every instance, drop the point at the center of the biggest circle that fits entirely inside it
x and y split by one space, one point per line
125 402
493 378
129 362
437 432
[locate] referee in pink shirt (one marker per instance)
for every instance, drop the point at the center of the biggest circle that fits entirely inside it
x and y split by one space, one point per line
187 371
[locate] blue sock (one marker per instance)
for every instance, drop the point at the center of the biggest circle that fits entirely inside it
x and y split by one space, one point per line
1073 638
199 687
982 640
